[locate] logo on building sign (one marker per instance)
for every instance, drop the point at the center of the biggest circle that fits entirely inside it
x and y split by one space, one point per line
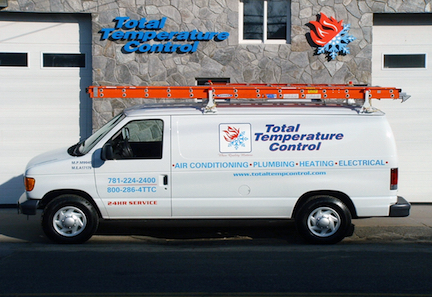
235 138
330 36
143 36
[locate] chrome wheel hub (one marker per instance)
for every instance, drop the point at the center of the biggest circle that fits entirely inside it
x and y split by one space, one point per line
69 221
324 222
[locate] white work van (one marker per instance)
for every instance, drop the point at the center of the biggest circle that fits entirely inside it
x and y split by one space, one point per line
319 165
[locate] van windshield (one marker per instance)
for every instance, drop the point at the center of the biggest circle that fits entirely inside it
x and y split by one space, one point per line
85 146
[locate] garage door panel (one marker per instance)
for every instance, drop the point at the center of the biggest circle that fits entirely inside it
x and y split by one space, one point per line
59 126
43 108
20 129
40 106
41 93
30 148
28 77
409 125
28 74
407 133
411 121
39 32
389 36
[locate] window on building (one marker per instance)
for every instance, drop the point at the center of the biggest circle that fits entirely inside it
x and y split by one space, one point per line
404 60
202 81
13 59
63 60
265 21
402 19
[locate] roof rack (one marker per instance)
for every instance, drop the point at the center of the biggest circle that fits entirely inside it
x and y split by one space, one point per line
255 92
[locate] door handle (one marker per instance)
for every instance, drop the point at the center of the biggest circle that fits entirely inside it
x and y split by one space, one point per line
165 180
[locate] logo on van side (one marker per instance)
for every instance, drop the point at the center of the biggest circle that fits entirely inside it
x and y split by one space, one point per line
235 138
289 138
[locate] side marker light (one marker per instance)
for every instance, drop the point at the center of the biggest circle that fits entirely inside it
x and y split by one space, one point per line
29 183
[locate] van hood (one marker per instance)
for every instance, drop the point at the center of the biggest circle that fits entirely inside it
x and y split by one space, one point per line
49 157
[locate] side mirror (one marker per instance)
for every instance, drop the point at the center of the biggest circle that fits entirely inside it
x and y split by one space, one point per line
126 133
107 152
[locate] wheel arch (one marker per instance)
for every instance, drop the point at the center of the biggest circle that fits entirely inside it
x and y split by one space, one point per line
50 196
337 194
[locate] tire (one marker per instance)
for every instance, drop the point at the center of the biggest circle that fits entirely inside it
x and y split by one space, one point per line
323 220
69 219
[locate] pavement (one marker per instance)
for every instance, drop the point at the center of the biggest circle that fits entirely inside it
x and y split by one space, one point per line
416 228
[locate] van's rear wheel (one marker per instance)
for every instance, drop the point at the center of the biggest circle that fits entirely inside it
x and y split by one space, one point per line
323 219
69 219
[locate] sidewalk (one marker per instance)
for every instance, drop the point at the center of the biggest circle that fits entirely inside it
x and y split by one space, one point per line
415 228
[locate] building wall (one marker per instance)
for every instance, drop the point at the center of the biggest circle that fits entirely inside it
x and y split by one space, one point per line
264 63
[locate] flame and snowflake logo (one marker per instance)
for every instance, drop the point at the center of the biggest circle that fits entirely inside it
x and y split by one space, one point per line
235 138
330 36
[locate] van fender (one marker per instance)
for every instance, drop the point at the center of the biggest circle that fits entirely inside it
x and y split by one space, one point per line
303 199
48 197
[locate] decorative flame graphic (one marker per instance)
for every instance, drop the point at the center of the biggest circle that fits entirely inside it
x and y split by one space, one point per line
330 36
325 30
231 134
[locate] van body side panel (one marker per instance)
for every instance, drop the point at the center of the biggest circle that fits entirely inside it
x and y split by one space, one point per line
258 165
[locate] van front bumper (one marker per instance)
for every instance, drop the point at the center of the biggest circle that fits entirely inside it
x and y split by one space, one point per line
27 206
401 208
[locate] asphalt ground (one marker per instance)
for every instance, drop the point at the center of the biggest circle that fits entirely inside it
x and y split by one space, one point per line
140 258
415 228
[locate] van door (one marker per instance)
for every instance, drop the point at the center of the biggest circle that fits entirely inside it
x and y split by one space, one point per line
215 177
133 180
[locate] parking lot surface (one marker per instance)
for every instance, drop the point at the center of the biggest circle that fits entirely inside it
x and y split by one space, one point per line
415 228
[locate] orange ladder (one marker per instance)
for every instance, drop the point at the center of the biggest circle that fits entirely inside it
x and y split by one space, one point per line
269 92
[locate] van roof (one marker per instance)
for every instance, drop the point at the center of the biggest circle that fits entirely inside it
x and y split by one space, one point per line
233 109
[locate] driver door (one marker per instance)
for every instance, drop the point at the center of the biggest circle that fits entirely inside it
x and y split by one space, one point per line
134 178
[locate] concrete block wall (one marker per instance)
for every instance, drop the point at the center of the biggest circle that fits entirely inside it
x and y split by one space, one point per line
258 63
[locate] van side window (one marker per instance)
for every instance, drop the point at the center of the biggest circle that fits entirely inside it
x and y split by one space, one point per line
139 140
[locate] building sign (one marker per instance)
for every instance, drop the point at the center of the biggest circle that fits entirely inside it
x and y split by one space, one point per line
143 36
330 36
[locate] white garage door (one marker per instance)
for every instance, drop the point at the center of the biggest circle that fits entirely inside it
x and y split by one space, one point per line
45 66
402 58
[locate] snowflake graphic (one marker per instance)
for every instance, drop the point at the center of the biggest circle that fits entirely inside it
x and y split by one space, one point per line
338 44
239 141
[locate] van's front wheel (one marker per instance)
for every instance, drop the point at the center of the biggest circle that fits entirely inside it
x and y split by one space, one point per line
323 219
69 219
